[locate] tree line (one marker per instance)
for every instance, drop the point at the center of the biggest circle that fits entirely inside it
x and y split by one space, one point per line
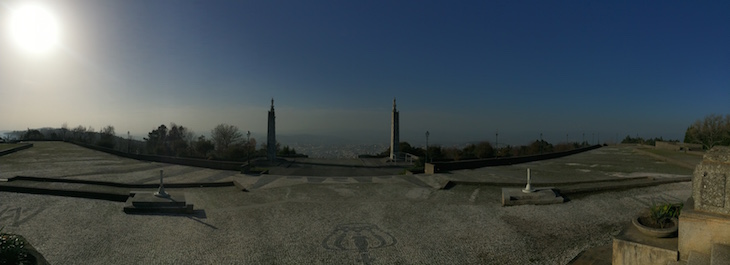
713 130
482 150
648 141
710 131
226 141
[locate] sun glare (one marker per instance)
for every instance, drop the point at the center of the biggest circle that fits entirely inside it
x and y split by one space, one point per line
33 28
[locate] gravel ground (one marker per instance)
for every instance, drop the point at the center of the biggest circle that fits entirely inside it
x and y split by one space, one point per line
355 223
326 221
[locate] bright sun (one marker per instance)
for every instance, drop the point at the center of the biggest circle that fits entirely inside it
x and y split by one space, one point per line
33 28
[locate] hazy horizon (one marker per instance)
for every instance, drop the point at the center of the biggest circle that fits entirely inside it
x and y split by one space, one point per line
459 70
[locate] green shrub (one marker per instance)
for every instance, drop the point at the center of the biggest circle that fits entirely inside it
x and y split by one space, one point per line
662 213
12 250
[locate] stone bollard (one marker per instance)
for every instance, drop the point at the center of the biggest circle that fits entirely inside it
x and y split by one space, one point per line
161 191
528 188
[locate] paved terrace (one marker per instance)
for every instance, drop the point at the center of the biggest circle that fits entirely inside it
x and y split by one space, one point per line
328 220
605 163
68 161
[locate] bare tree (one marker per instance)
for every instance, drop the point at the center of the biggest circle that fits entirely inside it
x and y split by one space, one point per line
64 130
712 130
224 135
108 130
90 135
189 138
79 133
107 137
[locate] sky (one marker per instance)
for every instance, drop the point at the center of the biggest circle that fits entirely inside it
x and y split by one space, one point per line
462 70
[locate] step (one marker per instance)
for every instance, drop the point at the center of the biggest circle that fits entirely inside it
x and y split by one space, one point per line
515 196
720 254
697 258
148 203
626 184
78 190
101 190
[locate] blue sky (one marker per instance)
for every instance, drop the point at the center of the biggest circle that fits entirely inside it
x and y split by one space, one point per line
460 70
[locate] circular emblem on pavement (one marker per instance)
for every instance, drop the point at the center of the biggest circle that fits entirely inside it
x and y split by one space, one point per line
360 238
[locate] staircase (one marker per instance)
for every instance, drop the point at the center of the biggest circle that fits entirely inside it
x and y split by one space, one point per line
720 255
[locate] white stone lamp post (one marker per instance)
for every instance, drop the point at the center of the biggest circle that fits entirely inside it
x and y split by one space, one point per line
528 188
161 191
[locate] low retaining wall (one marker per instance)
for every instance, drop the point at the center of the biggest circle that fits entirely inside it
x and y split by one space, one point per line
438 167
212 164
16 149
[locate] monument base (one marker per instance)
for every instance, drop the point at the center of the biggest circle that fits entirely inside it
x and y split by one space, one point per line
515 196
147 202
632 247
699 230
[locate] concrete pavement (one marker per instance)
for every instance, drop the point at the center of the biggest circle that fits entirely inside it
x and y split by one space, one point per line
325 220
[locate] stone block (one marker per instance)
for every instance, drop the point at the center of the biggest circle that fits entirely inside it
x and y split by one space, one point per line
149 203
697 258
699 230
515 196
710 183
631 247
720 254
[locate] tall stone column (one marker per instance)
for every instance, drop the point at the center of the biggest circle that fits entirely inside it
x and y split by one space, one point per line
394 131
271 135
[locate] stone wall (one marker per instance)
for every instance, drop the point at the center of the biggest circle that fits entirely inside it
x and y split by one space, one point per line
212 164
21 146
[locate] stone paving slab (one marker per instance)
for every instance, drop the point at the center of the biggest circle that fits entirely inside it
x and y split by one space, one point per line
595 256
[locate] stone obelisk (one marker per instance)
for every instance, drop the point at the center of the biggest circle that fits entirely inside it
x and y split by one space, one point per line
394 141
271 136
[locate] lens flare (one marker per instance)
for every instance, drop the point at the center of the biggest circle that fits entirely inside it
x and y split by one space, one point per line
34 29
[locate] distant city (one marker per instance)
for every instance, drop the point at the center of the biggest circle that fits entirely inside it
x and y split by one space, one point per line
338 150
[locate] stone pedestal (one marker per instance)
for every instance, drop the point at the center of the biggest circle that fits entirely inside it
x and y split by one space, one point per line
705 219
704 223
633 247
515 196
147 202
698 231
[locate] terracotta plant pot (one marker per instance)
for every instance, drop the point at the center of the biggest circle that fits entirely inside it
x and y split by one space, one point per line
670 231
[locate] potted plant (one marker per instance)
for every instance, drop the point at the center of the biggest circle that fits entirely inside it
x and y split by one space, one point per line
15 250
660 220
